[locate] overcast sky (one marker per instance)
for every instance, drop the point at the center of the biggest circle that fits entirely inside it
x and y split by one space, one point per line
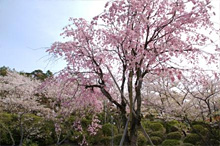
28 27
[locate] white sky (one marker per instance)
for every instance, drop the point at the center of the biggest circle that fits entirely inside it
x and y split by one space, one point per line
28 27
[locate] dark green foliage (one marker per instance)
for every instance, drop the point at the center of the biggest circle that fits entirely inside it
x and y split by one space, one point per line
171 142
117 139
95 140
4 136
38 74
36 129
48 130
106 140
187 144
49 74
85 122
141 140
173 122
8 124
153 126
199 123
158 134
3 71
107 129
156 127
200 129
156 140
28 142
150 117
215 142
192 138
174 135
215 133
171 126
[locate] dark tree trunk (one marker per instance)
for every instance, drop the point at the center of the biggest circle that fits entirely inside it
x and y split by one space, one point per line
136 114
124 120
135 123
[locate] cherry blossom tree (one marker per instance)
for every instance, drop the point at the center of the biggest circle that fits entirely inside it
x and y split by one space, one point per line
182 99
70 103
132 39
17 96
55 100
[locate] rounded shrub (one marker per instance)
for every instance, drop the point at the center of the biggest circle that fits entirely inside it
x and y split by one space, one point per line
141 140
192 138
95 140
172 126
171 142
107 129
173 122
200 129
156 140
157 127
187 144
174 135
117 139
158 134
106 140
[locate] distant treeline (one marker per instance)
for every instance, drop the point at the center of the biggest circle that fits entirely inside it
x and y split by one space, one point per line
36 74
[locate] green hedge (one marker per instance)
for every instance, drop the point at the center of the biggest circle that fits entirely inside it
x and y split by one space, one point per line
42 132
107 129
158 134
171 142
200 129
174 135
156 140
141 140
192 138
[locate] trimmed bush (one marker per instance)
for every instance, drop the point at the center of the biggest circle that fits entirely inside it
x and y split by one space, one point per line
171 142
173 129
156 140
171 126
158 134
173 122
200 129
95 139
187 144
107 129
192 138
174 135
157 127
106 140
141 140
117 139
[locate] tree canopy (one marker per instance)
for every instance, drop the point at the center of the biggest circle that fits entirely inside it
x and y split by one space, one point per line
132 39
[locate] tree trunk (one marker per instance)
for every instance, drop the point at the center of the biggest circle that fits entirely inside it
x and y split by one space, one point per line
124 120
21 130
135 123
